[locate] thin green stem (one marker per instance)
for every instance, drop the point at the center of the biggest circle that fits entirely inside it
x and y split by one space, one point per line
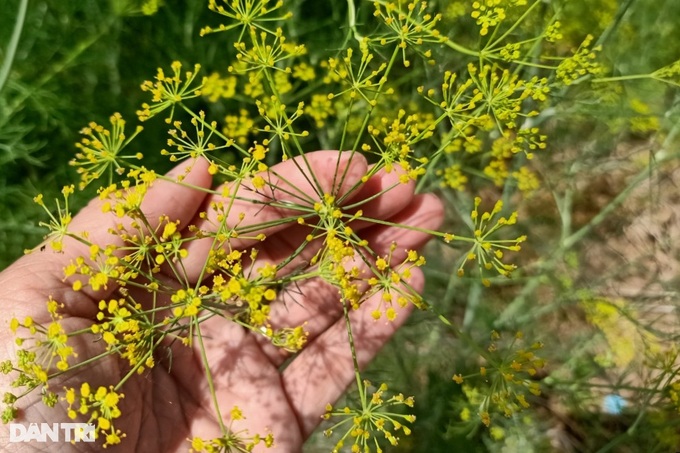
13 43
352 20
369 112
622 78
355 361
516 24
82 364
209 377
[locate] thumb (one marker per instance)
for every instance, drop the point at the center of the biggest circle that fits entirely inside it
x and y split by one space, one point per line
99 225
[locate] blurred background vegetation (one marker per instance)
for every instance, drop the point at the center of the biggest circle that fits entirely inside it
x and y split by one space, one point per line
598 285
75 62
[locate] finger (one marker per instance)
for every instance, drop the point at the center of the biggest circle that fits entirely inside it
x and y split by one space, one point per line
426 212
315 303
321 373
381 197
312 298
178 202
295 182
242 377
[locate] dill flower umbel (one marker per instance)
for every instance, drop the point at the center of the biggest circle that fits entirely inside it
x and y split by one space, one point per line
489 252
377 416
169 90
505 380
100 150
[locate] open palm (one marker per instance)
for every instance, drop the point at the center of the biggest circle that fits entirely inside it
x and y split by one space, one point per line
278 393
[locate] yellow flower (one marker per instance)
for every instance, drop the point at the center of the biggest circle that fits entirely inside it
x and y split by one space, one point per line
168 90
236 413
100 151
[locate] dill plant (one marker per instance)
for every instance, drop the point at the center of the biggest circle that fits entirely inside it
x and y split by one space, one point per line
402 101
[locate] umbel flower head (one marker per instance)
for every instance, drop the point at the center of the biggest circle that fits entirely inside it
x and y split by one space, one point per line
100 150
377 418
506 379
487 251
169 90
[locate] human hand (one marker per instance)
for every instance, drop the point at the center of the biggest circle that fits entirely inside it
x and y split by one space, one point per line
278 392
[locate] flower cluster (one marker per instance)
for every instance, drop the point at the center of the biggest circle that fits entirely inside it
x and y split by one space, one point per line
358 80
59 223
102 408
42 355
410 27
100 150
509 376
233 441
377 416
581 64
245 14
386 277
489 14
487 251
169 90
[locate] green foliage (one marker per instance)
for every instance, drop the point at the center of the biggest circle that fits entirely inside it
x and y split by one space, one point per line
74 62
